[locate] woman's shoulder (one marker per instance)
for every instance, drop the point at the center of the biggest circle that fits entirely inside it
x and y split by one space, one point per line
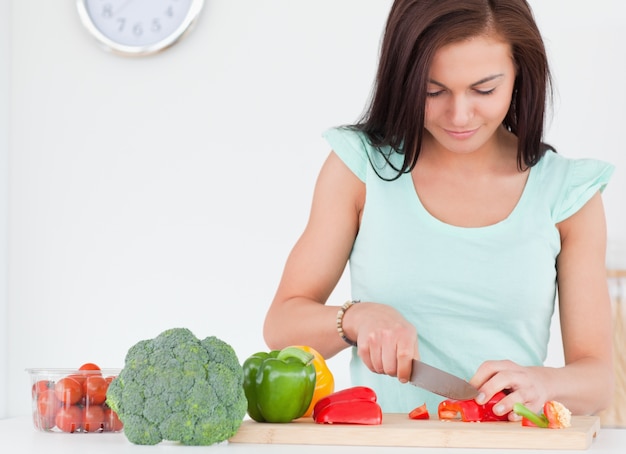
554 161
356 150
571 181
352 147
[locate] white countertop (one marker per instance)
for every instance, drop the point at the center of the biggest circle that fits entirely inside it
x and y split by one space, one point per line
17 435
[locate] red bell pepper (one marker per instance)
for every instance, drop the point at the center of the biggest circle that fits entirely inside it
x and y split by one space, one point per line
352 412
355 393
356 405
470 410
420 412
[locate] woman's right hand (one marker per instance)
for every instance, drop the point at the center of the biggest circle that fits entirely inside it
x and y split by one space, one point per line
386 341
299 315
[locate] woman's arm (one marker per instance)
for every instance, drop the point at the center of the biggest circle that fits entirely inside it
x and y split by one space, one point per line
585 312
298 314
585 383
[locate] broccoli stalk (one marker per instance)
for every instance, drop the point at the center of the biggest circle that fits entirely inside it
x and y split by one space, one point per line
176 387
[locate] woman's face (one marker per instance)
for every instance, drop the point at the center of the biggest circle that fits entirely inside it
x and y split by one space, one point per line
469 93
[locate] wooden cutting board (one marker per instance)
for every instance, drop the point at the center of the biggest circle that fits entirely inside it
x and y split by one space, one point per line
398 430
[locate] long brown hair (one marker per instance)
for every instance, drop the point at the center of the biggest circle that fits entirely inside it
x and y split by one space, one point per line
415 30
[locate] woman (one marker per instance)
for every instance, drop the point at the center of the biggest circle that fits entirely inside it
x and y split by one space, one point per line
459 224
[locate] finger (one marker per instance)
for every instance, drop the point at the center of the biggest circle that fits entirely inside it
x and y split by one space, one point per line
375 358
390 364
384 352
390 355
405 362
503 407
498 376
405 366
486 371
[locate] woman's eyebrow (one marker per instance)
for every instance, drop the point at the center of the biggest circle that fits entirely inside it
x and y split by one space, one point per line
480 82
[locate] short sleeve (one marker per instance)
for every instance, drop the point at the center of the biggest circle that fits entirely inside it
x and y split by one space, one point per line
351 147
586 177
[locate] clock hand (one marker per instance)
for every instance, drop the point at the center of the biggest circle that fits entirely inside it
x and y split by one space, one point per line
123 6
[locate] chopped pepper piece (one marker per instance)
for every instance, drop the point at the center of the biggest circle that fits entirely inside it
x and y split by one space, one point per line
470 411
279 385
555 415
558 415
356 405
529 417
528 423
420 412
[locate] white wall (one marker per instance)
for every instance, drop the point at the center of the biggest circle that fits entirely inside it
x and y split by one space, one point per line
167 191
4 161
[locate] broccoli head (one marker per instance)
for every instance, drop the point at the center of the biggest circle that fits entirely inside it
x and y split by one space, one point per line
177 387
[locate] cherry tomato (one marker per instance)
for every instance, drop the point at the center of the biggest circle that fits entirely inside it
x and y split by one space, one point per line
47 407
95 389
89 367
47 403
42 423
69 419
41 386
93 418
80 378
69 391
112 422
86 370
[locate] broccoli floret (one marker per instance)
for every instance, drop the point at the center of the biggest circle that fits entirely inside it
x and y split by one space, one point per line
176 387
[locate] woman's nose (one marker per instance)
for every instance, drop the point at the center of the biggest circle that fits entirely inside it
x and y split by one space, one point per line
461 111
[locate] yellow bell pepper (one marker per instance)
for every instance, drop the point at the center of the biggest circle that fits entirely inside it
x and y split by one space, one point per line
325 382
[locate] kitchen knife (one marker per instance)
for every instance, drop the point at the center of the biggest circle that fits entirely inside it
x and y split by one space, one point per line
440 382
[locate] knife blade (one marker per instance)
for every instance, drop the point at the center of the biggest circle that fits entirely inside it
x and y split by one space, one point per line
440 382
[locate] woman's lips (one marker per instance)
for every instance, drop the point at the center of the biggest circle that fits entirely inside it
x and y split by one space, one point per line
461 135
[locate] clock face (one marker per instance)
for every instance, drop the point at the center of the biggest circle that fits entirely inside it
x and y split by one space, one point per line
138 27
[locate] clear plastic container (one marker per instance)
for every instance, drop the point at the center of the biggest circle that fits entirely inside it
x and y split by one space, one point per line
72 400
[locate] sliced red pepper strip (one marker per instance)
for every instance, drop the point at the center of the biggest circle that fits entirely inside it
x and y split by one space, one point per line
420 412
470 410
356 393
528 423
364 412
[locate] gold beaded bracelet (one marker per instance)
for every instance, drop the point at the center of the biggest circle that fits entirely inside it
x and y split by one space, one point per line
340 315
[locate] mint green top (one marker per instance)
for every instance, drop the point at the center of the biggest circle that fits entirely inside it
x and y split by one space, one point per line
474 294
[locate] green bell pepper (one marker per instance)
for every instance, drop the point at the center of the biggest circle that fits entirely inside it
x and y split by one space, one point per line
279 385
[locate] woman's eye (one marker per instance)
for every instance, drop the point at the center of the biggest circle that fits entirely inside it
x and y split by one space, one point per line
486 92
434 94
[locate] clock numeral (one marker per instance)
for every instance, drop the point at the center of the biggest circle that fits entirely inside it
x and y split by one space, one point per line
107 10
156 25
138 29
121 22
169 11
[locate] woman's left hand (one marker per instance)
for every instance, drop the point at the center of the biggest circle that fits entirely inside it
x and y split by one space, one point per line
523 384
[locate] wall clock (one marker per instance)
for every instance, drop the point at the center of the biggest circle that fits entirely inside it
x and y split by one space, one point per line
138 27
